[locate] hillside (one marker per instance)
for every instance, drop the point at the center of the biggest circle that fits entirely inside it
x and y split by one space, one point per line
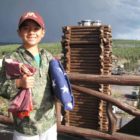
126 43
54 48
126 51
121 48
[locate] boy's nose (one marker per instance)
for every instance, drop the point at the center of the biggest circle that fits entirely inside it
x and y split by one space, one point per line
31 31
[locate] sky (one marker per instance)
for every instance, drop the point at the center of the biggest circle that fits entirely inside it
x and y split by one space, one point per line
122 15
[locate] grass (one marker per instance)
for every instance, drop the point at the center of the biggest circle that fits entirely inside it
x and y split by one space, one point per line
129 53
123 49
54 48
128 49
126 43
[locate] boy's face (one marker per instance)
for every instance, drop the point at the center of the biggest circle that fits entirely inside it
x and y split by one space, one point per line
31 33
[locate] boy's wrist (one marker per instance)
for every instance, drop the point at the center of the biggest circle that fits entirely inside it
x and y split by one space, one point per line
18 85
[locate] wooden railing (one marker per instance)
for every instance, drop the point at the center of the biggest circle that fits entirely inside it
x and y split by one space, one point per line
103 79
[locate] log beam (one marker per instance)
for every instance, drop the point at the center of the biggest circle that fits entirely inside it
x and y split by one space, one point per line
127 108
94 133
129 80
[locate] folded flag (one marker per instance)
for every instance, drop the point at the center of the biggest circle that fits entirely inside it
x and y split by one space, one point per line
61 85
21 105
14 69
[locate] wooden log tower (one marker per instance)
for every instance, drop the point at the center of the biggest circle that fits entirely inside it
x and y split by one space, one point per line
88 49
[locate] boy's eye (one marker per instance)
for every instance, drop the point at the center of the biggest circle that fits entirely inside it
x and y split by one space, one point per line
35 28
25 27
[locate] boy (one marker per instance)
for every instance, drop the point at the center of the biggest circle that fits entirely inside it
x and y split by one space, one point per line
41 123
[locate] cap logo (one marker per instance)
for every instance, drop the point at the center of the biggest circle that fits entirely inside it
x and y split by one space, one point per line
30 14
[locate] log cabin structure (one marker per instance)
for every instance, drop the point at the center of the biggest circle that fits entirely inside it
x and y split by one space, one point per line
88 49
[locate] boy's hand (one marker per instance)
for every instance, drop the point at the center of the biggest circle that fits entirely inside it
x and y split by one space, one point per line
25 82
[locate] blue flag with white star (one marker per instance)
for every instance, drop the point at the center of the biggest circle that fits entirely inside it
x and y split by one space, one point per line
61 84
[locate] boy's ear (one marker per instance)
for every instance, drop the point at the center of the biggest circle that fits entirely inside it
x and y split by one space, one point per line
43 32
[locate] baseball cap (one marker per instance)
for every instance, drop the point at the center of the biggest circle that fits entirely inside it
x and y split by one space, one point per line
33 16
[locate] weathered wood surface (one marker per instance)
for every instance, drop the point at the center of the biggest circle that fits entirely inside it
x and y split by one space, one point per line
129 80
95 134
127 108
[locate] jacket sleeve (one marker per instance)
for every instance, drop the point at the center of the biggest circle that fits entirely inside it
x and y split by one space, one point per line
49 56
7 87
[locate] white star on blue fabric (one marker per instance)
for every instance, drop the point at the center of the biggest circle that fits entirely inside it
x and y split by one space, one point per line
65 73
69 104
64 89
59 69
53 83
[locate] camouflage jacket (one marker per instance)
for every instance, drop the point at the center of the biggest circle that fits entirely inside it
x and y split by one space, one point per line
43 115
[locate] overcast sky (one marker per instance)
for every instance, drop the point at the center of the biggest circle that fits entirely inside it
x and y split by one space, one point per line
122 15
